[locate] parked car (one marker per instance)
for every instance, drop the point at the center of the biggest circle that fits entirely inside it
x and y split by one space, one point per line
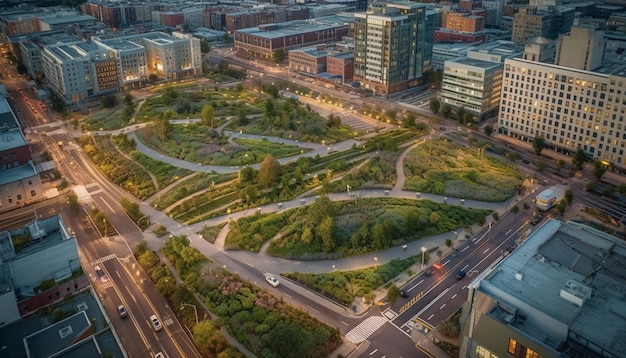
272 280
156 324
159 355
404 294
461 274
536 219
122 311
101 275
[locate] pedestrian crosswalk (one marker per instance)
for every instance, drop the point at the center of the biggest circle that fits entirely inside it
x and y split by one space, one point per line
102 259
365 329
107 284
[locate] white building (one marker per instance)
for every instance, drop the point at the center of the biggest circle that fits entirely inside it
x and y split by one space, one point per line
173 57
582 48
569 108
474 82
80 71
130 53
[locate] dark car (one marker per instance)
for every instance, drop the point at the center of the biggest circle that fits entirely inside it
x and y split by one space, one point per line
461 274
434 268
404 294
536 219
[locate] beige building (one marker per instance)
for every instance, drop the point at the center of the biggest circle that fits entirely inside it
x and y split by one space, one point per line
529 24
582 48
569 108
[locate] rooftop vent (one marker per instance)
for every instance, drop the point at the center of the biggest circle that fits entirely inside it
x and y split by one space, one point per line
519 276
575 292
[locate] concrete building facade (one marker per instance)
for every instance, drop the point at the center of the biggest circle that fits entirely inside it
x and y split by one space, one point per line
389 47
567 107
582 48
559 294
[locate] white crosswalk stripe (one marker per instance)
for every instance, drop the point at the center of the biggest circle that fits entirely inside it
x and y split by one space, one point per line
365 329
102 259
107 284
168 321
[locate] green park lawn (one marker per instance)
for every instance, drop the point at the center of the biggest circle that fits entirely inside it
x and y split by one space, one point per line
446 168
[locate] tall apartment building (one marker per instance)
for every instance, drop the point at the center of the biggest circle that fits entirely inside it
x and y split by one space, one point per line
569 108
529 24
389 47
582 48
462 22
120 14
474 82
559 294
173 56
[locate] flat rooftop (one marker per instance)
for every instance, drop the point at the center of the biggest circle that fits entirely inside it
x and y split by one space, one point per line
12 138
571 275
273 31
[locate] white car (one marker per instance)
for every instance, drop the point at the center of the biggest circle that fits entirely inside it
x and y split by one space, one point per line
156 324
272 280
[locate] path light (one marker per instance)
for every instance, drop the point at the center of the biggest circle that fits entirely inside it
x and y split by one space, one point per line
424 249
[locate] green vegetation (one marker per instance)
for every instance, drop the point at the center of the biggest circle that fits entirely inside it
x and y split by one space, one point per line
134 213
264 324
209 233
344 286
192 184
328 229
446 168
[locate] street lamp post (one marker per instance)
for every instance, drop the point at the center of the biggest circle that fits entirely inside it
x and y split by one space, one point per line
424 249
195 310
104 222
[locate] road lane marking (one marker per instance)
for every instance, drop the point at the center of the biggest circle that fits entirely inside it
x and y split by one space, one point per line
506 233
374 351
344 323
313 309
412 287
429 317
445 263
465 248
442 306
484 252
453 296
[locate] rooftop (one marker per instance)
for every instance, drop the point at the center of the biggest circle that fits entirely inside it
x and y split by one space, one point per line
58 336
43 233
272 31
565 276
11 138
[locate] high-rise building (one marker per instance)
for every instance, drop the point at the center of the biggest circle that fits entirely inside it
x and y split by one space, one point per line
559 294
568 108
474 82
529 24
582 48
389 46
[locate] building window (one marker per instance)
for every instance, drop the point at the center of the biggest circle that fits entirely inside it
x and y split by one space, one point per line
32 193
519 351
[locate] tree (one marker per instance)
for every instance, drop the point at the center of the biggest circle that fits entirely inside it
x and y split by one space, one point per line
208 115
599 168
409 120
128 99
446 110
569 197
434 105
325 233
460 114
269 170
515 209
539 143
153 78
204 46
559 165
162 125
579 159
109 101
279 56
333 121
468 118
488 130
393 293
